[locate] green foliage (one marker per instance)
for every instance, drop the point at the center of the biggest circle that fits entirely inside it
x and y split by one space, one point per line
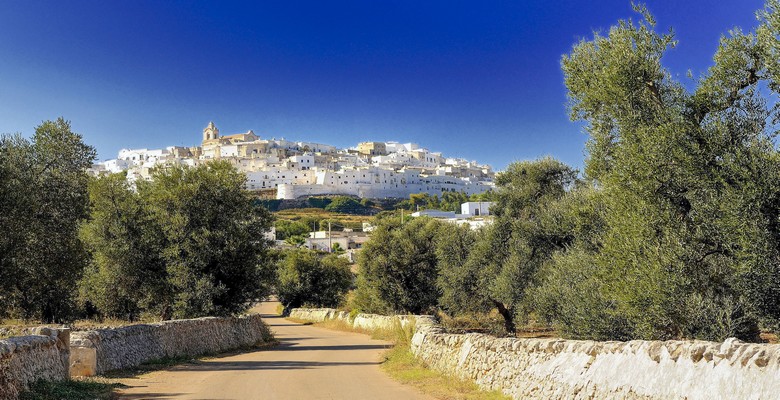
423 263
337 249
187 243
506 259
318 202
458 281
269 204
286 228
685 241
398 268
451 201
43 197
307 278
297 240
673 233
346 205
448 201
128 274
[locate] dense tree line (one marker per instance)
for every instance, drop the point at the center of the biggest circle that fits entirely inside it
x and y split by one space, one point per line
672 231
448 201
337 204
187 243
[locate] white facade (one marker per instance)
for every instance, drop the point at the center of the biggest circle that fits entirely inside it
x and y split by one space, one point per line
474 214
295 169
476 208
326 241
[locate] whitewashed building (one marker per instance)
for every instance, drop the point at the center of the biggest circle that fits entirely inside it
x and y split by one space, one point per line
291 169
475 214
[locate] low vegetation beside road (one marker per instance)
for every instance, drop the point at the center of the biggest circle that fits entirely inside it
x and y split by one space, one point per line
75 389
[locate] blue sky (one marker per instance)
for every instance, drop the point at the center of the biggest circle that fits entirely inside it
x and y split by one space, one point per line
475 79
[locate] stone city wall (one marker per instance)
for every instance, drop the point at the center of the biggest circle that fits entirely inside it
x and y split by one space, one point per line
581 369
26 359
98 351
289 191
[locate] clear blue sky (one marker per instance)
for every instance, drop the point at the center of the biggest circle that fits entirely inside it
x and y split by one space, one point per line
479 80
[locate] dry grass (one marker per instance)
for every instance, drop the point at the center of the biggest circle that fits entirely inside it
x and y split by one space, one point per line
294 214
401 365
769 337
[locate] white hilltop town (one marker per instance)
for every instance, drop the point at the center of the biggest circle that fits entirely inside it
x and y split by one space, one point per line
283 169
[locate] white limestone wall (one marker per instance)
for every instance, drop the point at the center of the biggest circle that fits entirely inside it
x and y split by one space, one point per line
581 369
367 322
26 359
318 314
98 351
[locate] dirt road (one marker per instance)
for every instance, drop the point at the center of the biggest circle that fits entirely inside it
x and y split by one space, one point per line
309 363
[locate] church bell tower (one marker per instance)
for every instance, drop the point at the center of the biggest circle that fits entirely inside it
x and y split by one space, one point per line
211 132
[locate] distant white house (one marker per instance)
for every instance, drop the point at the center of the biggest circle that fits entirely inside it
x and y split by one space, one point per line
472 214
325 241
476 208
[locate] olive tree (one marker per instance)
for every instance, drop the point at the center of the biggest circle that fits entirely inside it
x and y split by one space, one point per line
43 198
495 269
306 277
399 268
190 242
689 181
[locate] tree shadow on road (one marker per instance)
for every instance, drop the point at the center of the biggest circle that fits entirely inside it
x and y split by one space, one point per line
264 365
293 346
150 396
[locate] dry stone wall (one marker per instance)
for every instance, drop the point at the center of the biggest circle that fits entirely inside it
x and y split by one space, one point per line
318 314
580 369
367 322
26 359
99 351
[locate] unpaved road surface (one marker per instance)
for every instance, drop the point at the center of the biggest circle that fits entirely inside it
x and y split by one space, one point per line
308 363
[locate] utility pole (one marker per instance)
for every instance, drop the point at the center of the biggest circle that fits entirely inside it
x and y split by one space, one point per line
330 241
